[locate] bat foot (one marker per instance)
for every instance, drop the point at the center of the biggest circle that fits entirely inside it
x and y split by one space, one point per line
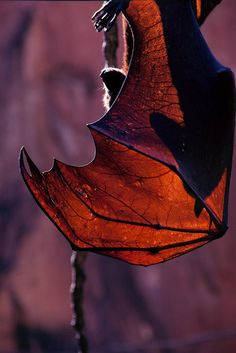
105 17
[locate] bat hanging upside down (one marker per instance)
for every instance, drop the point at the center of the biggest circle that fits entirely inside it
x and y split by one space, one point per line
159 184
105 17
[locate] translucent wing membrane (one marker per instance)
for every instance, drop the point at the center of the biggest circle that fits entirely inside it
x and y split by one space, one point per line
159 184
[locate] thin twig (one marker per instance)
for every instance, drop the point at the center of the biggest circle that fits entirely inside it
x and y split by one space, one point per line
77 292
110 46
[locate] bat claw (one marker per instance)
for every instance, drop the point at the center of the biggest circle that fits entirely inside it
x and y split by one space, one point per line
32 171
105 17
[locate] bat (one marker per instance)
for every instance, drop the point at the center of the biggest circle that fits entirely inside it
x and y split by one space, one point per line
159 184
105 17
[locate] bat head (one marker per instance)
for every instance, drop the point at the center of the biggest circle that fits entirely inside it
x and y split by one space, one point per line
113 80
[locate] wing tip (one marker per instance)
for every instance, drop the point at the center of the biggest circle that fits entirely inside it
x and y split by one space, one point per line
27 167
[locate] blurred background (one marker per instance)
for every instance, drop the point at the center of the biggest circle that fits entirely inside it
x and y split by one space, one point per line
50 60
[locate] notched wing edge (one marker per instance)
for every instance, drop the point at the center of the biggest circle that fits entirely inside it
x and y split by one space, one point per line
37 176
35 173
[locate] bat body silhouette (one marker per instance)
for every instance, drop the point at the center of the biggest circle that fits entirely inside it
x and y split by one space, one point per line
159 184
104 18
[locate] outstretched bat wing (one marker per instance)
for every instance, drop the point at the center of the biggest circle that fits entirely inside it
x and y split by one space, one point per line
159 184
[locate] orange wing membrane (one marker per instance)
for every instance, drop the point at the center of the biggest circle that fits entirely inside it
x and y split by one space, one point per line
159 184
